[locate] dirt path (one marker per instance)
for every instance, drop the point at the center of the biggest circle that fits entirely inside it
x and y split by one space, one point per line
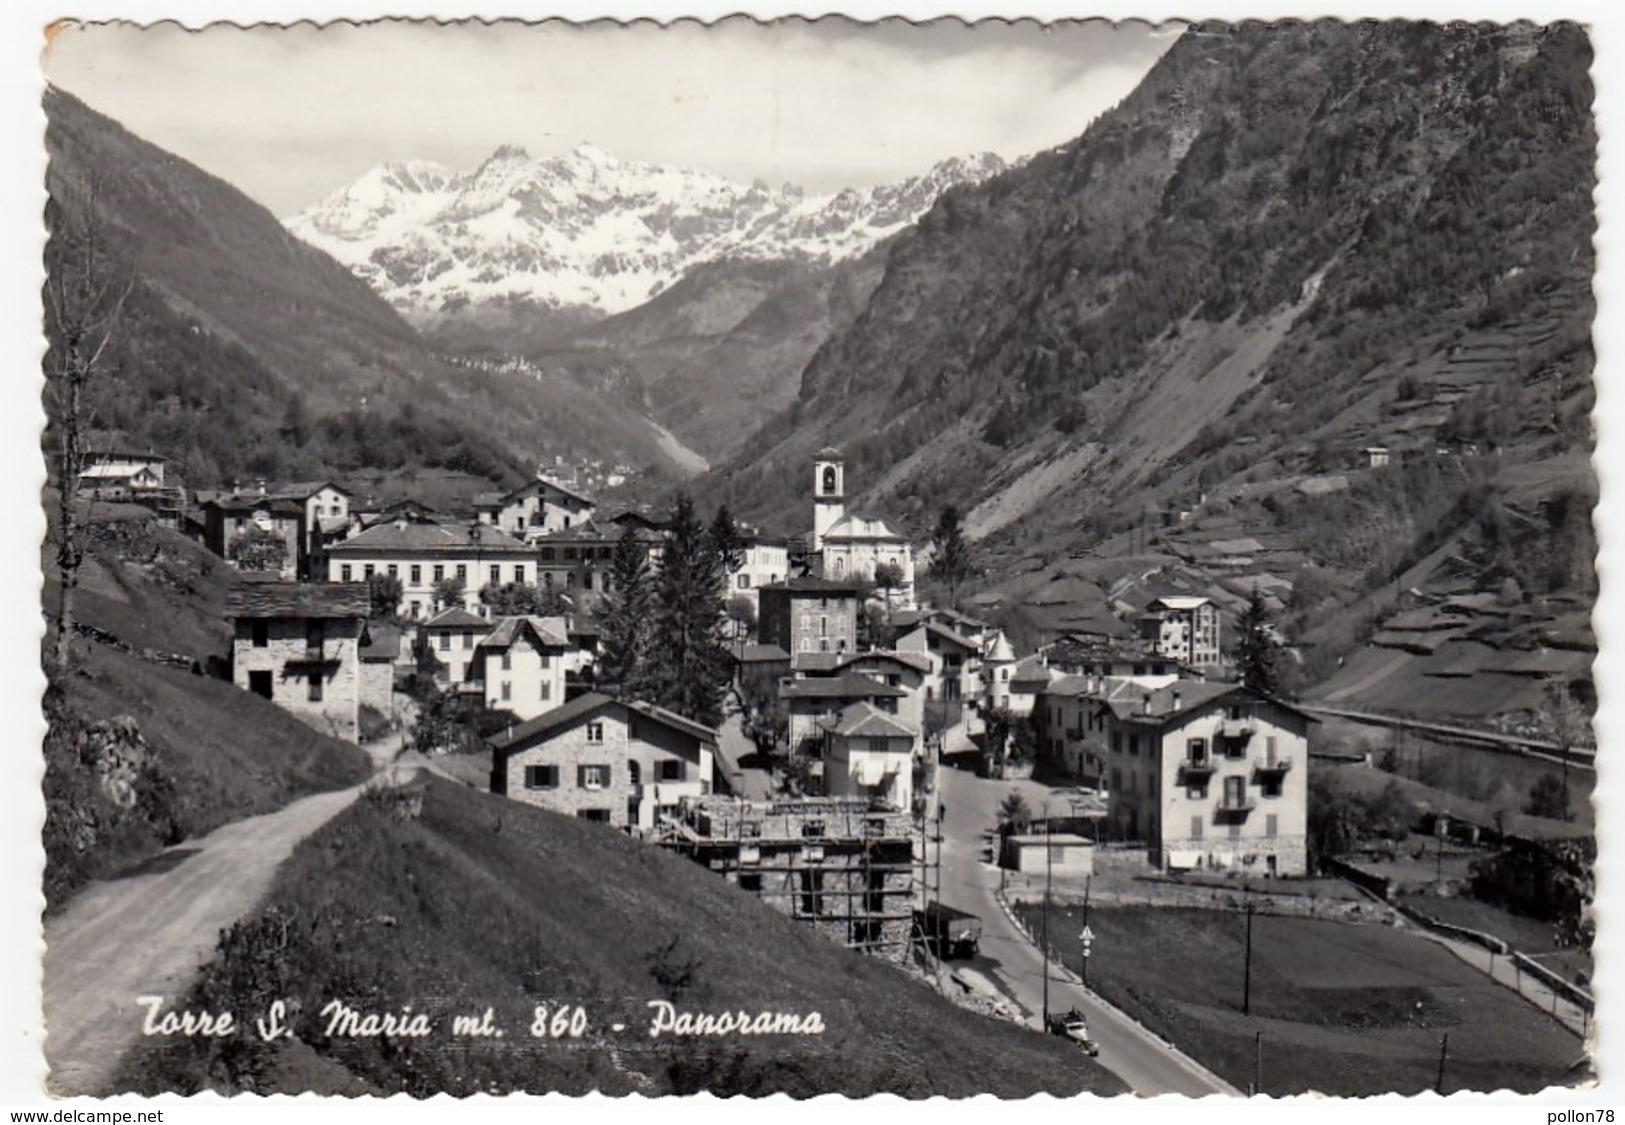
147 935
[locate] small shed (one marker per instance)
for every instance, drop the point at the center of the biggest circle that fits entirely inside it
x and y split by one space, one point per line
1068 854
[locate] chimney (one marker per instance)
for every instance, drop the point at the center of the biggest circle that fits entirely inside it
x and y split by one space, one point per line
1145 704
260 484
1176 699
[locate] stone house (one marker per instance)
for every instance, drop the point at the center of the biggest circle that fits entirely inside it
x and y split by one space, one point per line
808 615
621 762
956 660
812 699
299 645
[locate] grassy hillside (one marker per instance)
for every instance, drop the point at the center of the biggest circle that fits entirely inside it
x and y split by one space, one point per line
475 901
140 755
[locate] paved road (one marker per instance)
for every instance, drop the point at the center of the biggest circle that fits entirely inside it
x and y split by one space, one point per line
970 805
149 933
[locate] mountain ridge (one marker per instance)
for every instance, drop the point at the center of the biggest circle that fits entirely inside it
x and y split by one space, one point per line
587 232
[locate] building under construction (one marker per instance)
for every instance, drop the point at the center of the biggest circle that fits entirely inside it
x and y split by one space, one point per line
839 864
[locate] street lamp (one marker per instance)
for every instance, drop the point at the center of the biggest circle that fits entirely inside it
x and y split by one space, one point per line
1087 937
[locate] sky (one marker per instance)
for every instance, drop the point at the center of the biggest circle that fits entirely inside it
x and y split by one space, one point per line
290 115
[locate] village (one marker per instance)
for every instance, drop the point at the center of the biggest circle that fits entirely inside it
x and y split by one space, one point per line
855 691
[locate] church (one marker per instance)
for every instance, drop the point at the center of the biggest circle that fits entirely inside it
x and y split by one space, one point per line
848 546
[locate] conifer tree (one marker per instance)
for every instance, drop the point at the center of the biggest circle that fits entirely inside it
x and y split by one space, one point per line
688 665
950 554
623 619
1255 652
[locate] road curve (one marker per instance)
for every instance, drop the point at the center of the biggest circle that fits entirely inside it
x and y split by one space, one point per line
1147 1064
148 934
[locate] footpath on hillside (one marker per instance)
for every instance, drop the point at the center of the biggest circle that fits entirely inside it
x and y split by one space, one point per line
148 933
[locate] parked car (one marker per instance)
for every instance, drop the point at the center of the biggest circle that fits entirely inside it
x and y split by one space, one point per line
1073 1026
950 933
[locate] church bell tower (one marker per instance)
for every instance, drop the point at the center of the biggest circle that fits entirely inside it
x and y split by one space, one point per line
829 493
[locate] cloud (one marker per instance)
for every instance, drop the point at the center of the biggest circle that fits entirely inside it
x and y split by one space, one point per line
291 114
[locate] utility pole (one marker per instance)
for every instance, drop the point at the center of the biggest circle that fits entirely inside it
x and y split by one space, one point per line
1258 1061
1444 1051
1247 972
1088 935
1049 859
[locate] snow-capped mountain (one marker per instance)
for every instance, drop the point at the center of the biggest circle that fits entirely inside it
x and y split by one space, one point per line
587 230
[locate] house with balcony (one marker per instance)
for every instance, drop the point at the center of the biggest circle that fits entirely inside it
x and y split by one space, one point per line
326 519
812 700
580 561
421 554
256 532
624 763
299 645
1185 629
956 660
521 665
869 753
1210 775
533 509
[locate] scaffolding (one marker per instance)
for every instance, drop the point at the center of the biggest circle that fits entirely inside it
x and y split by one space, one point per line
845 866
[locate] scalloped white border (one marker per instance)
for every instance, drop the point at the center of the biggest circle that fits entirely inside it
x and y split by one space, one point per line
21 190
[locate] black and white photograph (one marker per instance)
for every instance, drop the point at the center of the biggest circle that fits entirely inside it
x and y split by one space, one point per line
815 556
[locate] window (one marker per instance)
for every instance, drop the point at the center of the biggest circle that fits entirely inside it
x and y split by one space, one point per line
547 691
468 641
744 581
462 572
445 642
1272 825
547 554
541 777
345 573
586 580
1117 779
507 691
1196 828
496 574
1196 792
671 770
260 630
519 523
315 634
393 570
367 571
812 892
1117 742
507 661
1196 749
1269 751
597 816
569 554
750 881
519 573
1270 785
595 732
1235 792
547 662
1134 744
417 574
439 572
823 626
812 829
593 777
314 693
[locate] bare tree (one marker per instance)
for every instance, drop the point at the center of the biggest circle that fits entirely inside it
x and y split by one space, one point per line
84 298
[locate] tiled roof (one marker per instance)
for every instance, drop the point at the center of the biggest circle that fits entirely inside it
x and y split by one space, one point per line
257 502
382 642
813 586
763 654
918 661
579 710
549 631
867 720
304 490
430 538
845 686
456 618
952 637
299 599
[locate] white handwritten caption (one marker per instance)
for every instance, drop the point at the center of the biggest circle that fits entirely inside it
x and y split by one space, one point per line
562 1022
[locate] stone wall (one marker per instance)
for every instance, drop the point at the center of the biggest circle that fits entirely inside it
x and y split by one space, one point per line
292 666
